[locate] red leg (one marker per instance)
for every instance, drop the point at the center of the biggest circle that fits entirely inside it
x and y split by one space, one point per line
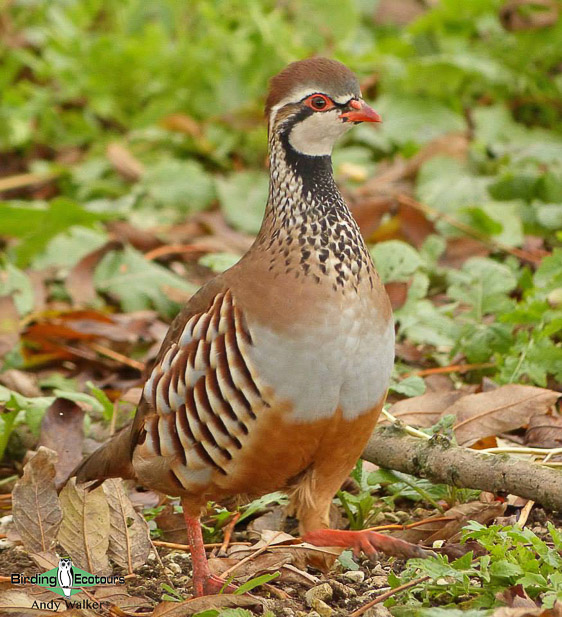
370 542
204 582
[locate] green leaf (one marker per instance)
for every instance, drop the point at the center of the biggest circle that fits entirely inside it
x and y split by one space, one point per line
549 215
410 386
219 262
482 284
68 247
15 283
185 185
243 197
256 582
137 283
36 226
447 185
409 119
101 397
262 502
395 260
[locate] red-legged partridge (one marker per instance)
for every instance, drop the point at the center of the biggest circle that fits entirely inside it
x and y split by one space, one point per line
273 375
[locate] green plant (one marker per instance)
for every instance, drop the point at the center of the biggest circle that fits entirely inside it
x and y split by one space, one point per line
514 556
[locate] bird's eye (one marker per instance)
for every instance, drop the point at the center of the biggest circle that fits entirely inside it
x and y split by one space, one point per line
319 102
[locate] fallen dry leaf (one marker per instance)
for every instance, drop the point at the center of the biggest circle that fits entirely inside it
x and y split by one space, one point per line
84 532
9 325
529 14
505 611
80 280
498 411
20 381
544 431
302 554
35 504
172 525
448 526
206 603
515 597
62 430
478 416
19 602
129 536
118 596
266 563
425 410
124 162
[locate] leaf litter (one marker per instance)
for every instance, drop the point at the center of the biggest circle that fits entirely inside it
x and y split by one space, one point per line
92 305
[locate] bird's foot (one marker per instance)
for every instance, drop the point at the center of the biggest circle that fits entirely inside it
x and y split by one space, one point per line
368 542
211 585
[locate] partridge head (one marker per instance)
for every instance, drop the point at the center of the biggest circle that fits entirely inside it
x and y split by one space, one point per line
314 102
273 375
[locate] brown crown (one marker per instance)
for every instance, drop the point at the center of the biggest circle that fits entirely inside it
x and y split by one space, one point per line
322 74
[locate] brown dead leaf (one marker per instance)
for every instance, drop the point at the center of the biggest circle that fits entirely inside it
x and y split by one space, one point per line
479 416
19 603
20 381
544 431
62 430
142 239
80 280
274 518
35 504
529 14
129 537
515 597
206 603
414 225
9 324
302 554
172 525
397 293
504 409
118 596
84 532
505 611
124 162
181 123
46 560
448 526
425 410
460 249
292 574
398 13
266 563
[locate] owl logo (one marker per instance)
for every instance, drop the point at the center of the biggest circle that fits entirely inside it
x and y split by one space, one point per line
65 577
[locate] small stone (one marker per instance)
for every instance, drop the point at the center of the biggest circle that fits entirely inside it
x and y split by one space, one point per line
172 569
313 614
378 570
320 593
378 611
322 609
355 576
341 590
378 581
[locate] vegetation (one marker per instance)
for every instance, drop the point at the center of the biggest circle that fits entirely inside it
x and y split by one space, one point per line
133 165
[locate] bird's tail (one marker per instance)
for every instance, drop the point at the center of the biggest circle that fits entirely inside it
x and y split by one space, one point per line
111 460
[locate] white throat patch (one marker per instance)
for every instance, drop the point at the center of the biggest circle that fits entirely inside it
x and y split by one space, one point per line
317 134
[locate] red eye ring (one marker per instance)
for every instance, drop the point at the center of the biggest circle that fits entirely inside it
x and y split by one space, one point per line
319 102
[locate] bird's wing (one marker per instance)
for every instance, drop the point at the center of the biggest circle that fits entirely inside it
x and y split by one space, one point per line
200 399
